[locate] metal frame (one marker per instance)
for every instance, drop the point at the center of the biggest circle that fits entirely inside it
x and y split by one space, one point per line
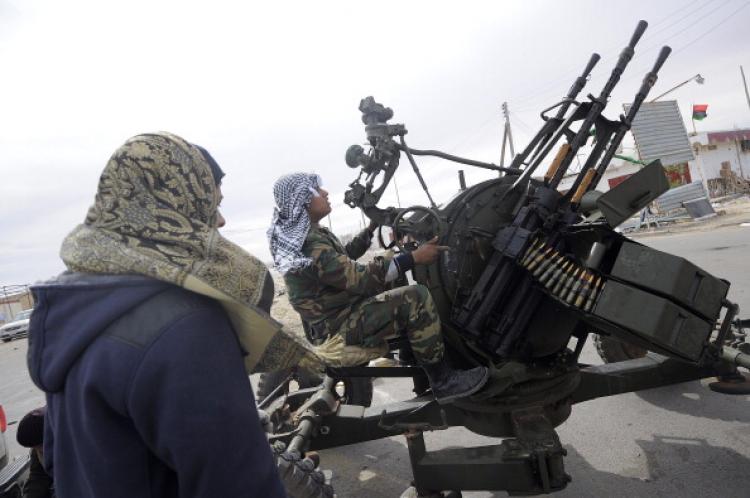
530 458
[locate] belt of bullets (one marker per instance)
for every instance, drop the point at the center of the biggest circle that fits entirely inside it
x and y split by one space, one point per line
563 277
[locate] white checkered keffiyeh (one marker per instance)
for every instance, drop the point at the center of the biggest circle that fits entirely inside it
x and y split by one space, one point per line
291 222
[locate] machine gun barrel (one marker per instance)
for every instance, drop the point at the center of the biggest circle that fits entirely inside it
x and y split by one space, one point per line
626 122
577 86
598 105
608 142
551 124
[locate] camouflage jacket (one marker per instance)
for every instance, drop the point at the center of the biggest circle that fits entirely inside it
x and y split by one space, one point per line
334 282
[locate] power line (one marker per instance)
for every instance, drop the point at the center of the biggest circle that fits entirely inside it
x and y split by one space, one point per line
520 121
693 41
613 50
677 21
524 103
710 30
472 135
681 8
700 19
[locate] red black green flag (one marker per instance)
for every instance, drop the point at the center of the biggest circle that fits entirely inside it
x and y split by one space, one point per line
699 111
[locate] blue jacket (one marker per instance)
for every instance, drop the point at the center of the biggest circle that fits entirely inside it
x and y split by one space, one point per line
147 394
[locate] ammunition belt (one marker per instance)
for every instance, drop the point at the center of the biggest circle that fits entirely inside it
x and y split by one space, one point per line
566 279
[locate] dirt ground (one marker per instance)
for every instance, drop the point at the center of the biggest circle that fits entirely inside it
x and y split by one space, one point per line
281 309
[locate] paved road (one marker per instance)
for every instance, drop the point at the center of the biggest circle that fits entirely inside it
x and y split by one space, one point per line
682 440
18 394
724 252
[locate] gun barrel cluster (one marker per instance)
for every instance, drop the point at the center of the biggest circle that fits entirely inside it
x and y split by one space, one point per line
562 276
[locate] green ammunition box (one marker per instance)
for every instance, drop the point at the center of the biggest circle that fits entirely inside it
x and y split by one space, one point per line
654 319
672 277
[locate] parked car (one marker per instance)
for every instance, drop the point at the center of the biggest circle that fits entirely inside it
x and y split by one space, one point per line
13 473
19 327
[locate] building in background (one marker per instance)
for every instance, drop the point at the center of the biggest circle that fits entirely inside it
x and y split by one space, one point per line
659 134
722 161
719 159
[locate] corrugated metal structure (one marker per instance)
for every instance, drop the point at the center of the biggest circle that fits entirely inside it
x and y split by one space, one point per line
675 198
660 133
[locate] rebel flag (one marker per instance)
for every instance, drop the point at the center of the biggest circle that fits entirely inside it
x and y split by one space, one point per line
699 111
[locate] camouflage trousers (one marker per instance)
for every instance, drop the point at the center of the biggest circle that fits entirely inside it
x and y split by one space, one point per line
408 311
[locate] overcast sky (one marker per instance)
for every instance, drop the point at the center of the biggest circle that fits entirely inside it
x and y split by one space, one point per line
274 88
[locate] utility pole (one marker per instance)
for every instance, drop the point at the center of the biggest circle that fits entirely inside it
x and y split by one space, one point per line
744 82
507 136
395 185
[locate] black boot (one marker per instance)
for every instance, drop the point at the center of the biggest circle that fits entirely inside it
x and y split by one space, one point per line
448 384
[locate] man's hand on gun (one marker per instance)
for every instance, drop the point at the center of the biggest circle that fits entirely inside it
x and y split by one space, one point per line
428 252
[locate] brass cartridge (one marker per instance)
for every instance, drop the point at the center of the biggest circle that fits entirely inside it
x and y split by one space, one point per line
595 290
552 268
585 290
535 247
539 258
571 286
557 275
547 263
564 278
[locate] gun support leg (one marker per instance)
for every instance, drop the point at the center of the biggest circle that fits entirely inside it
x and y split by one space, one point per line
653 370
531 463
733 382
417 450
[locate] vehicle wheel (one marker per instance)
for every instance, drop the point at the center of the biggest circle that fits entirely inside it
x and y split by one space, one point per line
353 390
612 350
6 339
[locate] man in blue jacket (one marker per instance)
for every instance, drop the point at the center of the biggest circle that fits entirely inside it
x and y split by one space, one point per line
146 382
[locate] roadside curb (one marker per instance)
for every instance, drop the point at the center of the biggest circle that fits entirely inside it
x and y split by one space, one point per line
696 226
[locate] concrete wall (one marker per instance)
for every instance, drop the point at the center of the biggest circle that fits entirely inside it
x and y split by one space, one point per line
708 158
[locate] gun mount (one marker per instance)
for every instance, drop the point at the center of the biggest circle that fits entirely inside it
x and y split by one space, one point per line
528 270
532 274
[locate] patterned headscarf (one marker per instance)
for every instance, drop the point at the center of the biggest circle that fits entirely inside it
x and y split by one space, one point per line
291 222
155 214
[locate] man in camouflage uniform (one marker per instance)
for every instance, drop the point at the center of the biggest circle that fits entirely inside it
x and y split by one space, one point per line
335 295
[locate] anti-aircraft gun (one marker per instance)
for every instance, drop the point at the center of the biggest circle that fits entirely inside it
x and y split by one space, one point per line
533 272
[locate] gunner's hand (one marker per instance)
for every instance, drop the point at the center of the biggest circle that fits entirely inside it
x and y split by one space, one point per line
428 252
